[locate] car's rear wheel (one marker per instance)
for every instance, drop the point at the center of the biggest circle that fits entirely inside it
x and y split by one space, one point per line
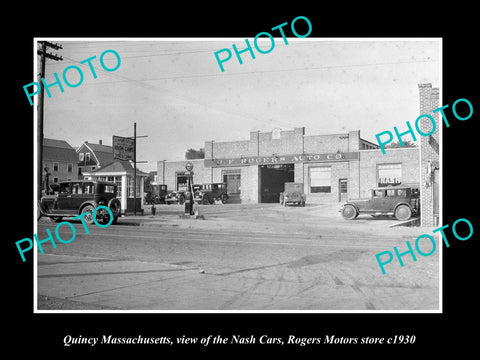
349 212
115 207
205 200
403 212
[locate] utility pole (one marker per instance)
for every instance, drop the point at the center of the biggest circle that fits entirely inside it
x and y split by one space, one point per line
135 167
43 56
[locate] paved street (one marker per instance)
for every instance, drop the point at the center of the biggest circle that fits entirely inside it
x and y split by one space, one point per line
241 257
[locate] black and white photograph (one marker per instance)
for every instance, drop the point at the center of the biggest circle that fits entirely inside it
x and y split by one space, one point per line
221 179
238 179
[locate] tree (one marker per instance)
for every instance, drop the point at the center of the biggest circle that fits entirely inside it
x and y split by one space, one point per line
191 154
396 144
148 180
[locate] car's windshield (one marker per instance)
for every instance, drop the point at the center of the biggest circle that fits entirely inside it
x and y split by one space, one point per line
103 188
64 188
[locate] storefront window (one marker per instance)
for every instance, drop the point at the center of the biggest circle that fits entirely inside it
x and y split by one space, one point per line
389 174
118 181
130 186
320 179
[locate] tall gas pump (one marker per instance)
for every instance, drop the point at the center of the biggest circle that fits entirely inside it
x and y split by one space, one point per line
189 194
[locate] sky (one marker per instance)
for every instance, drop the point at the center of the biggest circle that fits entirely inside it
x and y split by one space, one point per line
176 93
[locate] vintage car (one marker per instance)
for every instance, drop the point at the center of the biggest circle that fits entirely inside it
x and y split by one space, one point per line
174 197
156 195
403 202
72 198
293 194
208 193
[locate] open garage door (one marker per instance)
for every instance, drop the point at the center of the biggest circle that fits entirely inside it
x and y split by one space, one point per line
273 179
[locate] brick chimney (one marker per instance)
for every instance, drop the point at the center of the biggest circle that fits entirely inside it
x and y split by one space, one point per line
429 154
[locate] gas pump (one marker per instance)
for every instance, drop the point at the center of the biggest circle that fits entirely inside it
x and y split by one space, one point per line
189 194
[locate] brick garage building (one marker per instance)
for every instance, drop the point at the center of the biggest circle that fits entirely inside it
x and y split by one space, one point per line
332 167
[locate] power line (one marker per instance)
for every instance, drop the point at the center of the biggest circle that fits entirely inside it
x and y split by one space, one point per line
167 92
257 72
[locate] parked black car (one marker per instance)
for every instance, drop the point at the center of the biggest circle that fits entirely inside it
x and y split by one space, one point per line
208 193
72 198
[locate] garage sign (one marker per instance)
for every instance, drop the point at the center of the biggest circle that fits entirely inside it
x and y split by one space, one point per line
283 159
123 148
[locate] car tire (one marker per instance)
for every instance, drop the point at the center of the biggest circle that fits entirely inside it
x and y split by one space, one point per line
181 200
205 200
403 212
39 213
88 218
115 206
223 198
349 212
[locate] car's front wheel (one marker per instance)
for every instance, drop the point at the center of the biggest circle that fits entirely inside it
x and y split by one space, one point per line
39 213
223 198
88 218
349 212
403 212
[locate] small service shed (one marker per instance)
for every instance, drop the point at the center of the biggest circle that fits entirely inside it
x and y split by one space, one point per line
121 173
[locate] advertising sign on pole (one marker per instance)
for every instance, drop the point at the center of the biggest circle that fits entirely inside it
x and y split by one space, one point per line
123 148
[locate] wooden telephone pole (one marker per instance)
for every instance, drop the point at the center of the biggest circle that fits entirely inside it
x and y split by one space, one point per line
43 56
135 167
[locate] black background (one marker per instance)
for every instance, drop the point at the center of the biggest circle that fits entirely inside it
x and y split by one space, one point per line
434 333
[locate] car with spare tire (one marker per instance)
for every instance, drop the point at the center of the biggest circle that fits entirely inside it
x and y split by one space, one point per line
293 194
75 197
403 202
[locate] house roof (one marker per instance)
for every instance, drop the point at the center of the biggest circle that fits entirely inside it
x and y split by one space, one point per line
99 147
58 150
116 167
102 153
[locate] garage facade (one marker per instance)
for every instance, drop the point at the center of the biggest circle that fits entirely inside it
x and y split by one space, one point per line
332 168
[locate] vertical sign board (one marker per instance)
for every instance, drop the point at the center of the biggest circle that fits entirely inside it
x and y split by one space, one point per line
123 148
